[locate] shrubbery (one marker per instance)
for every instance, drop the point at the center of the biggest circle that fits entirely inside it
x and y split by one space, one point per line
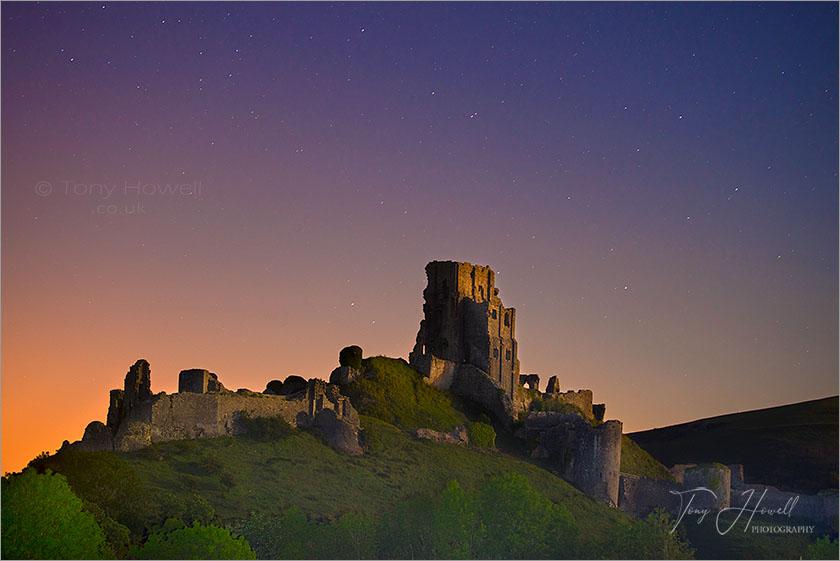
650 538
44 519
264 428
395 393
195 542
823 548
482 435
351 356
276 387
505 518
292 384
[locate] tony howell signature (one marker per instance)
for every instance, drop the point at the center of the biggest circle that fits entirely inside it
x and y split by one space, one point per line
687 508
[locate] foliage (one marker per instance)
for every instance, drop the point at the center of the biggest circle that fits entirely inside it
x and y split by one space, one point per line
357 533
43 519
482 435
105 479
407 532
636 461
823 548
392 391
293 384
117 536
195 542
520 523
292 536
505 519
650 538
351 356
394 467
121 501
264 428
275 386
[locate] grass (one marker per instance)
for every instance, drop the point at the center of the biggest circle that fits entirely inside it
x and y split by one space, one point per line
392 391
239 475
793 447
635 461
277 467
301 470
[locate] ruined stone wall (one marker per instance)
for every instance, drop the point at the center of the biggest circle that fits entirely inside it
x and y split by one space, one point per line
821 507
581 398
206 409
589 457
465 322
638 495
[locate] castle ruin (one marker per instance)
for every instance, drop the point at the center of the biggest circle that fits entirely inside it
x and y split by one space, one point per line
466 344
466 323
203 407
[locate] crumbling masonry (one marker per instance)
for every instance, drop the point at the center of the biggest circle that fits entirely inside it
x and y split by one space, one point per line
203 407
466 344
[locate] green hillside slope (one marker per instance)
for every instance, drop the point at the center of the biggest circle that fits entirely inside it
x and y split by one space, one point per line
251 481
793 447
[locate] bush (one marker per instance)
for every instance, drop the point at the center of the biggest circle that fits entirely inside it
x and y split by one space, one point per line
395 393
275 386
651 538
351 356
293 384
264 428
505 519
823 548
44 519
107 480
519 523
482 435
196 542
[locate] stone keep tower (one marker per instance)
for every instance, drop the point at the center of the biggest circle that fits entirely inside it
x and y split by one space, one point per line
466 324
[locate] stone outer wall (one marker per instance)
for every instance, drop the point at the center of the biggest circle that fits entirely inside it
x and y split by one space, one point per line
581 398
822 507
438 372
716 478
638 495
471 383
216 412
589 457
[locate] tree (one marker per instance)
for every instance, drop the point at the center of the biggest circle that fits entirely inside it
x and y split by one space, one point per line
351 356
407 532
43 519
520 523
650 538
195 542
823 548
455 523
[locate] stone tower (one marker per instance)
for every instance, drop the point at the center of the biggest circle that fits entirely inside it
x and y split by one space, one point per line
466 323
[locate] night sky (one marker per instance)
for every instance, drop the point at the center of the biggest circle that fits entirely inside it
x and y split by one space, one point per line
249 188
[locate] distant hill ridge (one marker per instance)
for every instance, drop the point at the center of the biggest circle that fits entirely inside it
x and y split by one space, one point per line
793 447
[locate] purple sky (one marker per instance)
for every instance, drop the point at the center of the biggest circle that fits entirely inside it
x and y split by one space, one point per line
250 187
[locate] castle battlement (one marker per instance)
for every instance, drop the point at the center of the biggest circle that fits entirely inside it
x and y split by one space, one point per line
465 322
203 407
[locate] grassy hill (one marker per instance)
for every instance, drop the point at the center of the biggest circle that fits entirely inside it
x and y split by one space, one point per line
240 475
793 447
275 467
